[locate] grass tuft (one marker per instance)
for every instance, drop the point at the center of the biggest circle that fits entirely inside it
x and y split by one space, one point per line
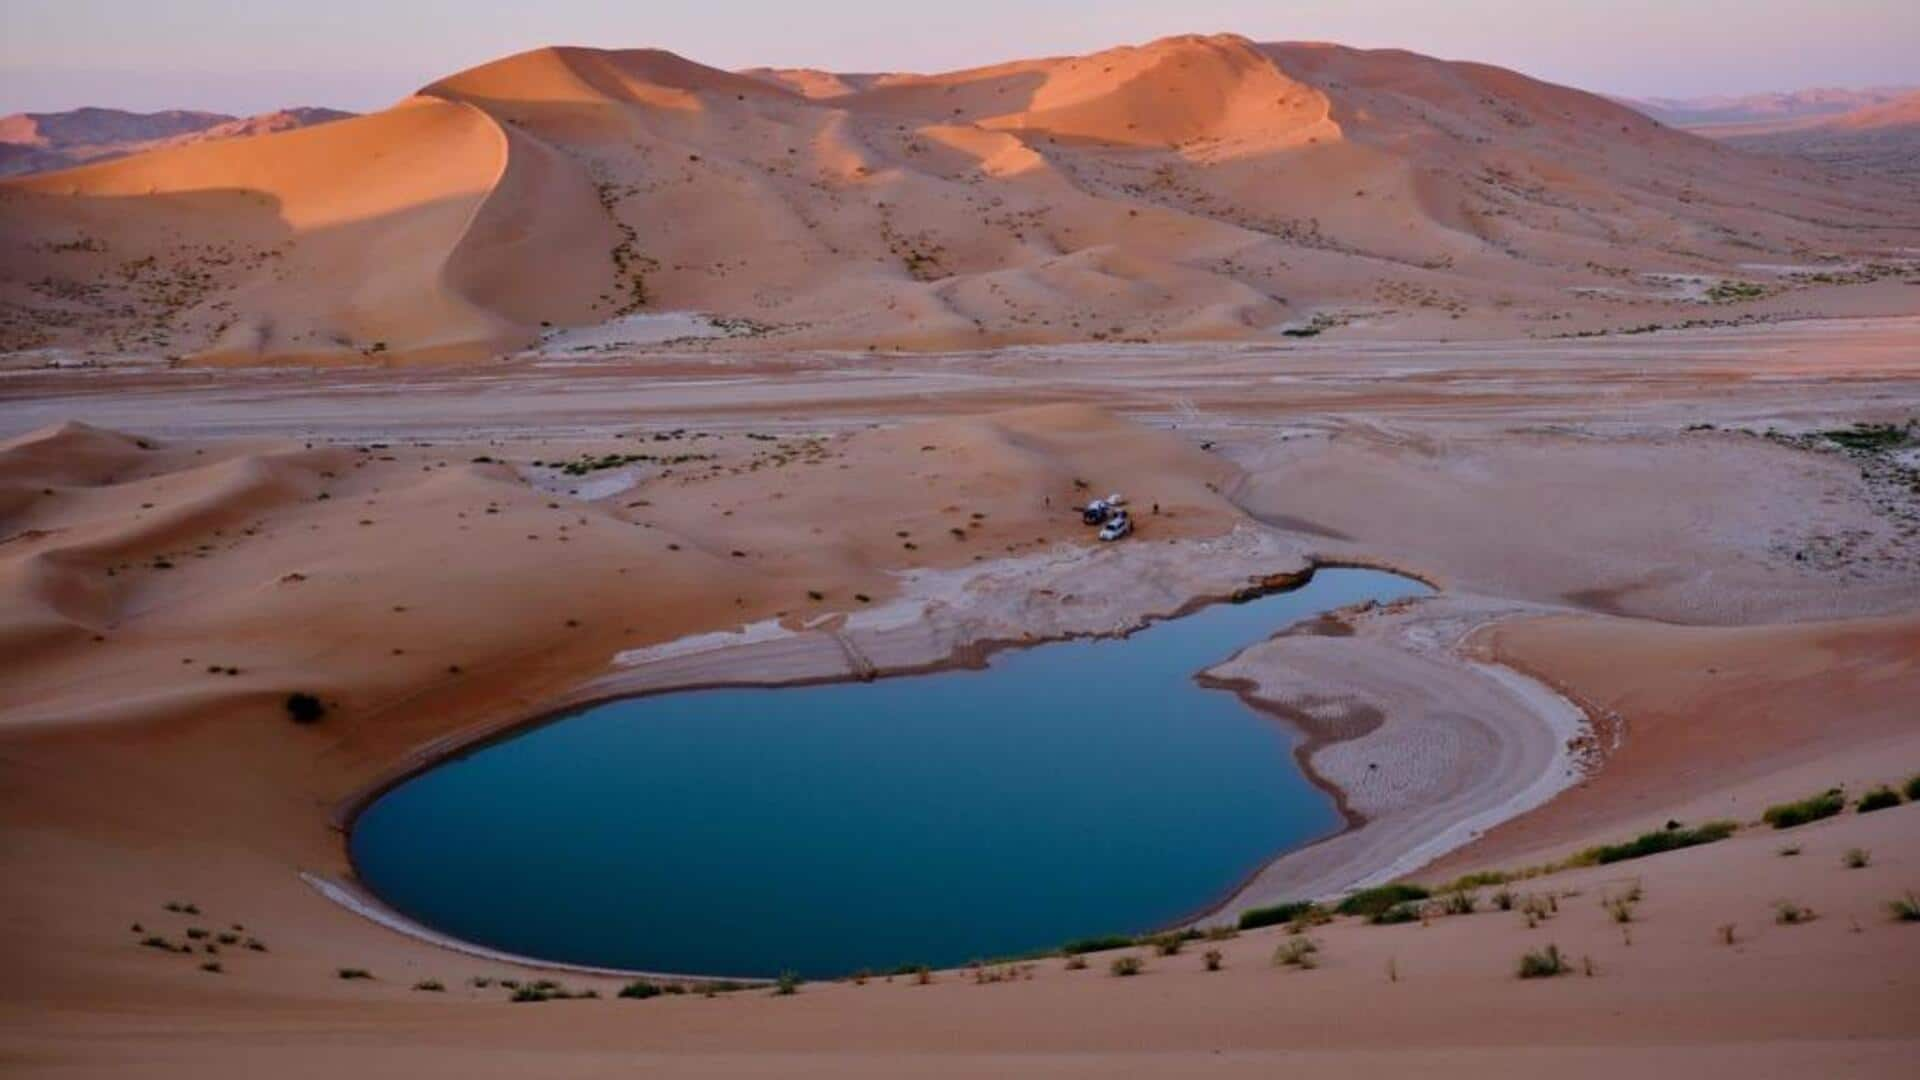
354 973
1856 858
640 989
1788 913
1124 966
1906 908
1813 808
1297 952
1213 959
788 984
1543 963
430 986
1653 843
1275 914
1376 900
1880 798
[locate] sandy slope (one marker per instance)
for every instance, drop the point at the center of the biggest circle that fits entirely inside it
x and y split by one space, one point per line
1191 188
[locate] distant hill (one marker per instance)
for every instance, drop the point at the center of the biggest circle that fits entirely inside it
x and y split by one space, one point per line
42 142
1772 108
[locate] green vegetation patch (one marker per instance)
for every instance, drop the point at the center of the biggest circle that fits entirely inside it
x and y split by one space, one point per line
1653 843
1787 815
1379 899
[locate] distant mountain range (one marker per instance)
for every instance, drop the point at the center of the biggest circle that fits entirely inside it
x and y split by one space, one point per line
1875 130
42 142
1774 108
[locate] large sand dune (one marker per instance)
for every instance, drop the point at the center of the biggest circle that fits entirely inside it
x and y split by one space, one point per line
1195 187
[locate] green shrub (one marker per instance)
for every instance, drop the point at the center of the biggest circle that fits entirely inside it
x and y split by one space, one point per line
1788 815
1380 898
1076 962
1912 790
1653 843
639 989
1856 858
1879 798
1123 966
1460 903
1398 913
1275 914
1169 944
1905 909
1097 944
788 984
1542 963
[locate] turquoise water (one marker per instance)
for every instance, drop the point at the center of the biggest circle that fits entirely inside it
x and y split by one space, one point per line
1070 789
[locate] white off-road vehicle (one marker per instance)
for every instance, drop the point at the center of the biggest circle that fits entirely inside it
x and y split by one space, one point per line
1117 526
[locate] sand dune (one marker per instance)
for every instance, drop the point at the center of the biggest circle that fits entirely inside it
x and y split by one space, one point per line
1194 187
43 142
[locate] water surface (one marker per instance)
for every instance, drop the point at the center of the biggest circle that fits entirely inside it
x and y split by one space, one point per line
1070 789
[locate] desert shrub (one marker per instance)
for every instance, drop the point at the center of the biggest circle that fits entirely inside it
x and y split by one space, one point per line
430 986
1912 789
639 989
1123 966
1213 958
1296 952
1542 963
196 933
787 985
256 945
1856 858
523 994
1274 914
1169 944
1222 933
479 982
212 967
354 973
1906 908
1077 962
1879 798
1619 908
1788 913
1504 899
1398 913
1726 933
1460 903
1789 851
1097 944
1653 843
1380 898
1787 815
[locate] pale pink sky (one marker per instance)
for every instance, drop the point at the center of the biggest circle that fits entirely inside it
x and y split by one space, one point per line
253 55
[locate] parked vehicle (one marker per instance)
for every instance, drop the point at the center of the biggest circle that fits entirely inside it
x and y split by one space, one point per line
1117 526
1096 512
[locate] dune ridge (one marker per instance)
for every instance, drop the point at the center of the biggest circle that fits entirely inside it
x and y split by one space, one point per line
1196 187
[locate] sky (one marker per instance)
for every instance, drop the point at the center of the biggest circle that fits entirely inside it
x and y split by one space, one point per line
245 56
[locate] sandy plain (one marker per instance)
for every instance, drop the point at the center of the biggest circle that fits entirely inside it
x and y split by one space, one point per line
1732 613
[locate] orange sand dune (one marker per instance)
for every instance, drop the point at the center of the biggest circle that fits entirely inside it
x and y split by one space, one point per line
1194 187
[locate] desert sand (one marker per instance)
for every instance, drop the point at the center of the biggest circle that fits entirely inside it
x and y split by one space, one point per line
841 355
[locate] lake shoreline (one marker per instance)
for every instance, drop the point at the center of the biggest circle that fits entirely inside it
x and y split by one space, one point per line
810 656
